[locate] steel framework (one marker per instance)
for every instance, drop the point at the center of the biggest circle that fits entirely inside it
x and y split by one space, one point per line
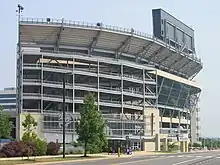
118 65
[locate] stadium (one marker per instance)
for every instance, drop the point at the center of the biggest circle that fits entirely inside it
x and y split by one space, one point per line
143 84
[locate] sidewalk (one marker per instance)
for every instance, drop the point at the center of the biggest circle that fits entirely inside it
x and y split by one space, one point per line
104 155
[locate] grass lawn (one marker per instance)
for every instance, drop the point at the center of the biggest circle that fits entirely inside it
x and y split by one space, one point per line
41 160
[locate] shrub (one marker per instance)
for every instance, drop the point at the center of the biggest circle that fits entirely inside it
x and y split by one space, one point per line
14 149
2 154
53 148
30 150
41 147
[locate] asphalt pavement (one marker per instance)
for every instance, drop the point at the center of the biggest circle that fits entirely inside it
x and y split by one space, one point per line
199 158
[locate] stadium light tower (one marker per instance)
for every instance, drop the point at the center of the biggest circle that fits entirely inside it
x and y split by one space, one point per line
19 11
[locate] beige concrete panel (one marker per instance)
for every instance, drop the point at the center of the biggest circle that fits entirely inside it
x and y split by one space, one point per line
151 128
38 118
149 145
175 120
165 144
157 142
166 119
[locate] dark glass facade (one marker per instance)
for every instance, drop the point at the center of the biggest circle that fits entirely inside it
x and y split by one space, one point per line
175 94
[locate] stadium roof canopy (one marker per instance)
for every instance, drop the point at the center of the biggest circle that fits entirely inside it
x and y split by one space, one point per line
120 41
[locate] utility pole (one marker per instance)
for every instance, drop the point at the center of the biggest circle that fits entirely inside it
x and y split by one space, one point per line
64 115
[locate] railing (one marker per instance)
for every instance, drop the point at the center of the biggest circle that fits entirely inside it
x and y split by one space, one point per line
90 86
32 80
132 76
116 116
172 131
46 95
86 70
133 91
92 25
58 83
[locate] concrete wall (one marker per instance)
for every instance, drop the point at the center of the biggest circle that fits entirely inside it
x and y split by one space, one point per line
152 120
38 118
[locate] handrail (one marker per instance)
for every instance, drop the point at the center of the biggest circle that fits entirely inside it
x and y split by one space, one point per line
46 95
92 86
83 69
106 27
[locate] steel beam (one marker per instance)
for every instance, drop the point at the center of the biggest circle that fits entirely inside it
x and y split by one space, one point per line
165 58
177 61
169 93
143 52
124 44
161 85
95 41
161 53
185 66
195 74
61 29
197 68
156 53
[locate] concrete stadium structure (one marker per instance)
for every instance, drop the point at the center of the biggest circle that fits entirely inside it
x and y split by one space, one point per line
143 85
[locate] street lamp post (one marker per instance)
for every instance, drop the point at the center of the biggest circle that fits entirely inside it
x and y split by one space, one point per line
64 115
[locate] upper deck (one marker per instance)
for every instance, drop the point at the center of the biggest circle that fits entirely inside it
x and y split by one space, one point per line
130 43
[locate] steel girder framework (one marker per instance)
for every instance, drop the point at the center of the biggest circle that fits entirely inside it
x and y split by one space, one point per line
118 125
126 41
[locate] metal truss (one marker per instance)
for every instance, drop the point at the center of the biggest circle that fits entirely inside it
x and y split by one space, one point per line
165 58
95 41
160 54
186 66
143 52
156 53
176 62
61 29
124 45
118 125
196 68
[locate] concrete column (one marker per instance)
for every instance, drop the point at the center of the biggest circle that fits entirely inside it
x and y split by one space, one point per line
182 146
186 146
157 142
165 144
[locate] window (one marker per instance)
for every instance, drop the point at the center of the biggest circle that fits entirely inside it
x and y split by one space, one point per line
8 96
9 106
161 21
8 101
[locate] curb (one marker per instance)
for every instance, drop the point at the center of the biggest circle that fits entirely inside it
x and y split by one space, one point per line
72 161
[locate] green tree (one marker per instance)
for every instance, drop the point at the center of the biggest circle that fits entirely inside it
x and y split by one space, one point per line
30 136
197 145
5 124
91 126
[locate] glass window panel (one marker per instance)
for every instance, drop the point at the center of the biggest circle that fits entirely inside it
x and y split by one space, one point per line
180 36
167 82
8 101
170 31
188 41
162 99
172 101
181 103
165 90
174 93
177 86
183 95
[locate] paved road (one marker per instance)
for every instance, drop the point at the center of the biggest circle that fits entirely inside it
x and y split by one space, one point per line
201 158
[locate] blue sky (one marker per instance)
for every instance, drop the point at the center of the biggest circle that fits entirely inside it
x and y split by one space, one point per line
202 15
